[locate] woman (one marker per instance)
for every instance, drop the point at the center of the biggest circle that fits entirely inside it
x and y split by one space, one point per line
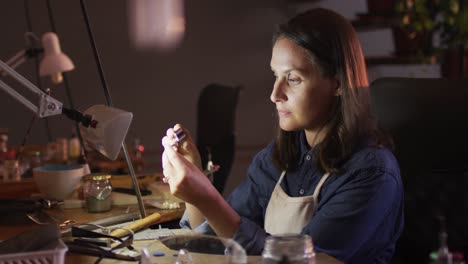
328 173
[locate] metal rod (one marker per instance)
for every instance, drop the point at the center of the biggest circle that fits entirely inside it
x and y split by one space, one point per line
25 82
136 187
96 53
51 17
461 47
66 83
36 69
18 96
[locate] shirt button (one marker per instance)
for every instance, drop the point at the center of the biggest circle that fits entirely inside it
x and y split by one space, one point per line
307 157
301 191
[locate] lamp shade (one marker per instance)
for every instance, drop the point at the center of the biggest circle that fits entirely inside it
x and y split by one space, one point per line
54 61
109 131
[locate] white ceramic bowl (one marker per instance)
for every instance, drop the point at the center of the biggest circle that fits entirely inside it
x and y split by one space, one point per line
58 181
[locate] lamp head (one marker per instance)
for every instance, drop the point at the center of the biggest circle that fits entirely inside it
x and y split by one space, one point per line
108 129
55 61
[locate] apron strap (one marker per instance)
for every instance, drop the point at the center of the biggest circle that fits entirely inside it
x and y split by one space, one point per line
281 178
319 185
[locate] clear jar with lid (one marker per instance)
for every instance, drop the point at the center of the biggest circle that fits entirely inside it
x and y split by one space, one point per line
288 248
97 192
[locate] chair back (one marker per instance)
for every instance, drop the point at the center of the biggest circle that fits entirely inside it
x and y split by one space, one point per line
216 128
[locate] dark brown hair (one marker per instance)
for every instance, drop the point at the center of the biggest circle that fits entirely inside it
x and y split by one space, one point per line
334 48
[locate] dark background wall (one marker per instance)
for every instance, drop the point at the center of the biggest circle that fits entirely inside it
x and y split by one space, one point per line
228 42
224 42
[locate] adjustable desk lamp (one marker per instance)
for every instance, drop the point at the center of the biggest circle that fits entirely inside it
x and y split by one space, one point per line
53 63
103 127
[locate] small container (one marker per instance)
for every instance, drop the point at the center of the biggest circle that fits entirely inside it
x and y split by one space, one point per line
62 150
74 147
52 254
288 248
97 192
31 160
11 170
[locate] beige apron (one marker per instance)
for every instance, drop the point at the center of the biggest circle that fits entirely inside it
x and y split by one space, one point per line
285 214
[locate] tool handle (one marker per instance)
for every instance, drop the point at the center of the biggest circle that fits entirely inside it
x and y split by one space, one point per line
136 225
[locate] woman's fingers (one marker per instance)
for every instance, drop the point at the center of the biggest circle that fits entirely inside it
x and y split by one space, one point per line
174 164
173 157
168 158
167 167
185 147
187 138
171 138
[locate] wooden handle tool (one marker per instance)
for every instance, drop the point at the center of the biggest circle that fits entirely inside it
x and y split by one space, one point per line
136 225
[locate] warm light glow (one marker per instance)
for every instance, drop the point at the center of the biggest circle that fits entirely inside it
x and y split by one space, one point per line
56 77
156 23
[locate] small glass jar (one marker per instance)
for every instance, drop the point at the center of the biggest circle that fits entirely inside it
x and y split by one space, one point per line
62 150
97 192
31 160
288 248
11 170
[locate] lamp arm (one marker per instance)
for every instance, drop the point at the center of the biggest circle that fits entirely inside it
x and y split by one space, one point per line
21 56
18 96
47 105
17 59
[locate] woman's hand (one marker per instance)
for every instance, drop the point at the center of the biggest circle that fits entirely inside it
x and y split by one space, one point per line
186 147
181 168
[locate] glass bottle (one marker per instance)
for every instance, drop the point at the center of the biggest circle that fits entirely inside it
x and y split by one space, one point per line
5 152
11 170
3 143
31 160
74 147
97 192
288 248
443 254
3 148
137 159
61 154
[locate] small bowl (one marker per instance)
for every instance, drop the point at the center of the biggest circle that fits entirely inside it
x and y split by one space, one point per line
58 181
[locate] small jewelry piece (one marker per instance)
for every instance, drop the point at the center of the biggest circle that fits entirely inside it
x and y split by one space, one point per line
179 135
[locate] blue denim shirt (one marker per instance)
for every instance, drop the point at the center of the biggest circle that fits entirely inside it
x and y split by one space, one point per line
359 215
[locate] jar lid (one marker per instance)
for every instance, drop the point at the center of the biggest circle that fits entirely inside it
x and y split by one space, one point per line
97 177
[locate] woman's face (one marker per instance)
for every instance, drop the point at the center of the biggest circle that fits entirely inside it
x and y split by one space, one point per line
304 99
